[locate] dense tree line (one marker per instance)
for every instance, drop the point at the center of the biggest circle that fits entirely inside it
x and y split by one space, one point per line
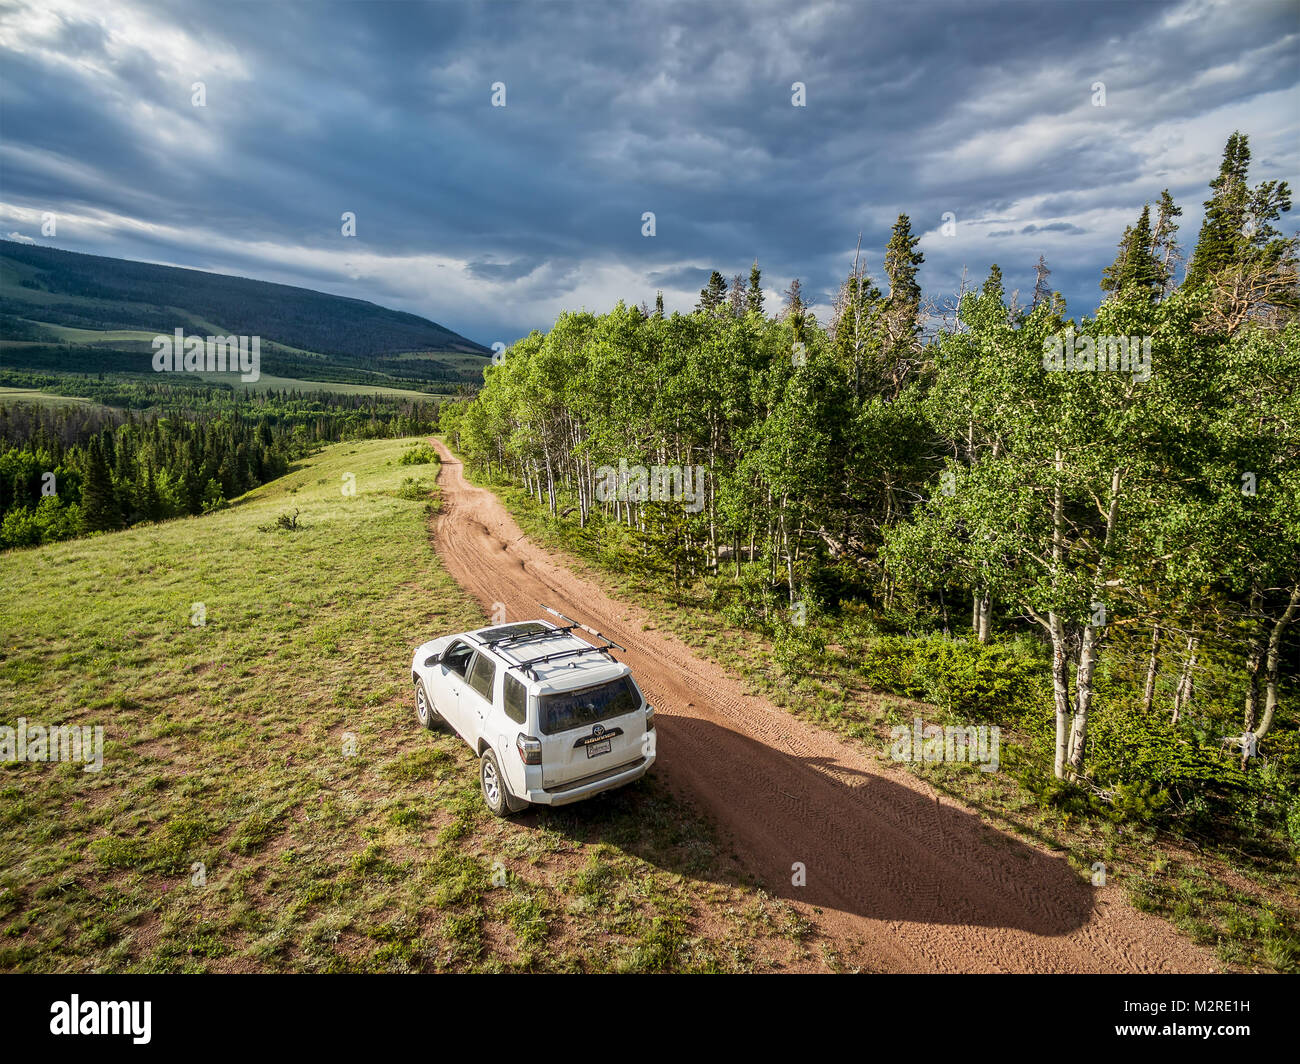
70 470
1123 489
37 355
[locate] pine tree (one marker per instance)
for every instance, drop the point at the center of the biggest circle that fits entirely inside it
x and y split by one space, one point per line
151 507
659 304
854 325
754 300
1135 267
902 261
1251 268
1164 247
243 481
99 505
713 294
1220 241
993 284
1113 275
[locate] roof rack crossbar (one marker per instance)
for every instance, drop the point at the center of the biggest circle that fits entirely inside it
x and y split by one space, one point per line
531 663
523 637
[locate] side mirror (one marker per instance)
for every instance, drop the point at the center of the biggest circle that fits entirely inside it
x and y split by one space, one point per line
432 660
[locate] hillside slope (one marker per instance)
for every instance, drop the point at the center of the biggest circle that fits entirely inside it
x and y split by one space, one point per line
102 312
92 291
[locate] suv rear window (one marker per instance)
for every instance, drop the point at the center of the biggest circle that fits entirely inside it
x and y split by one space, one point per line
576 709
481 675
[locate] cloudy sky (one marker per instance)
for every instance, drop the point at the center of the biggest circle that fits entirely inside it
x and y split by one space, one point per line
490 220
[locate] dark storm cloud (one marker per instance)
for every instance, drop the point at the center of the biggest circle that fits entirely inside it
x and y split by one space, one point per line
490 220
688 277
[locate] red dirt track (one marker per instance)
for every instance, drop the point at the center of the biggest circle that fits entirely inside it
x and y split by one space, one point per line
904 882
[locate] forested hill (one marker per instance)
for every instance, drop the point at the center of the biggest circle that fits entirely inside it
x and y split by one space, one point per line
95 292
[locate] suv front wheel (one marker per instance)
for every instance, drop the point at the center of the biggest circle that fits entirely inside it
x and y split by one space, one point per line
424 711
496 794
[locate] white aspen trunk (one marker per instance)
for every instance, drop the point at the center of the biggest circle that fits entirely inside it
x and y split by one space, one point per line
1272 662
1082 699
1186 683
1088 651
983 614
713 519
1153 665
789 562
1060 691
1254 664
1056 628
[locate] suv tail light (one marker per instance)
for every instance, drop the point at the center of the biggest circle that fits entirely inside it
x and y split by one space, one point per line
530 749
649 717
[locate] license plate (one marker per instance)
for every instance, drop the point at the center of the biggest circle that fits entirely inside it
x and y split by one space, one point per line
596 749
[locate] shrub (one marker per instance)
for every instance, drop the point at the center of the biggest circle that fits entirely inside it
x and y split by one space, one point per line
1129 746
283 523
969 680
796 649
420 454
414 488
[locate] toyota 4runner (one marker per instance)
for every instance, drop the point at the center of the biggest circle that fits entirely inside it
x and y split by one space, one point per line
553 718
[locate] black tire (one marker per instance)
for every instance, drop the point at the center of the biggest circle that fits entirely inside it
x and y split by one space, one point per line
425 712
496 791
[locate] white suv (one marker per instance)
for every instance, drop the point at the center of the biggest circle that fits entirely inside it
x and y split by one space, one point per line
552 718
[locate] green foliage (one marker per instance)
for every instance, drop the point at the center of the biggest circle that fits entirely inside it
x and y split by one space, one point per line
969 680
1135 746
1136 269
413 488
283 523
420 454
798 649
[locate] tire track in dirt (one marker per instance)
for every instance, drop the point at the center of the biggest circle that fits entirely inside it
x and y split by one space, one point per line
904 881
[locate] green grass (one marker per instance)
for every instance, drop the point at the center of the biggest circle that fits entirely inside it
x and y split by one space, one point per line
69 334
267 381
231 830
31 395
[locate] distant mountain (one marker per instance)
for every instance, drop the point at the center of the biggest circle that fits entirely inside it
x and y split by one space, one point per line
311 332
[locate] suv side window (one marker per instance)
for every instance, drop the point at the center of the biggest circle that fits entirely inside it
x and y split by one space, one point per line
457 658
516 700
482 674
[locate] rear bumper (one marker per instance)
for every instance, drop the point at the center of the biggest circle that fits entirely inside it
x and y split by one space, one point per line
565 793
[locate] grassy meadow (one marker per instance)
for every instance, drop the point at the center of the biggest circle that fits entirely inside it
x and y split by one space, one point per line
267 802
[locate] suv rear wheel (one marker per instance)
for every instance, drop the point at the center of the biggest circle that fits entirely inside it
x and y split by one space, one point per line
496 793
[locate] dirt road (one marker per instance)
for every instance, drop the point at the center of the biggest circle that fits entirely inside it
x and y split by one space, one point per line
898 880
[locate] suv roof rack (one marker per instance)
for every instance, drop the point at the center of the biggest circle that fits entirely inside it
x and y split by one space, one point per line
528 665
519 637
